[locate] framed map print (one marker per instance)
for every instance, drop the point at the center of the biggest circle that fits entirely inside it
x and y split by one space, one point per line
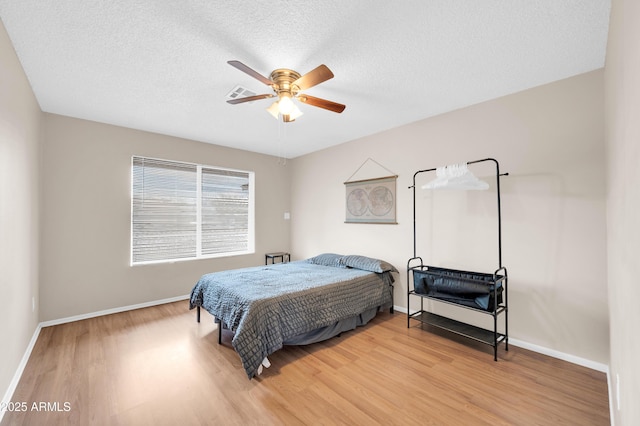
371 201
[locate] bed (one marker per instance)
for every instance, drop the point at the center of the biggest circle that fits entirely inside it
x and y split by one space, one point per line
294 303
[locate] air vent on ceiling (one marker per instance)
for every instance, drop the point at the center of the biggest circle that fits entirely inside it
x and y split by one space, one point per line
240 92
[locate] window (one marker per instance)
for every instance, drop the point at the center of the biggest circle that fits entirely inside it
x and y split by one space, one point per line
183 211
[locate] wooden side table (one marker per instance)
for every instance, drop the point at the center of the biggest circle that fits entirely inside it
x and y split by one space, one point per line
283 256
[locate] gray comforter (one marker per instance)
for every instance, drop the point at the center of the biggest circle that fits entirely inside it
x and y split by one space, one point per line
269 304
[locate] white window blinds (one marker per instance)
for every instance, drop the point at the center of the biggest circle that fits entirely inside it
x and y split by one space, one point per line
225 211
188 211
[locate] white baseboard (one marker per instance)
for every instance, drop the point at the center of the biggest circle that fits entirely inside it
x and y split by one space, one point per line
546 351
113 311
23 363
560 355
18 374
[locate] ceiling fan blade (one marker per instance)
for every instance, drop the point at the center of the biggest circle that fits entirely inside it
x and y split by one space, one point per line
245 69
322 103
313 77
250 98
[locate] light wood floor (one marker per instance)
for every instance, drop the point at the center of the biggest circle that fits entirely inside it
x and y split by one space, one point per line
157 366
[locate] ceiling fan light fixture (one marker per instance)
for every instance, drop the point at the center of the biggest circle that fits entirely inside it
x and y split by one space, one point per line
285 104
273 110
287 118
286 85
295 113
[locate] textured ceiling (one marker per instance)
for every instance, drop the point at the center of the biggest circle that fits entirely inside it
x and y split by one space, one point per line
161 66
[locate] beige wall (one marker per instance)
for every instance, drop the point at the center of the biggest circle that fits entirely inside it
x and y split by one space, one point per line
86 216
20 119
622 79
551 141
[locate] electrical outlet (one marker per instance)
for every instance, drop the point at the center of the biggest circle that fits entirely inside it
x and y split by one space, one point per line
33 304
287 215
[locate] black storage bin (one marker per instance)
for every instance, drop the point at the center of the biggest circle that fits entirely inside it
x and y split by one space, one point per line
466 288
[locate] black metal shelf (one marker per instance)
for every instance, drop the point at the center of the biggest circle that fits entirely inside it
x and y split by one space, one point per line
463 329
499 308
498 299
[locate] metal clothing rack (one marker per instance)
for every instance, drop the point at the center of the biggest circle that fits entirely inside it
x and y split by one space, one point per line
496 280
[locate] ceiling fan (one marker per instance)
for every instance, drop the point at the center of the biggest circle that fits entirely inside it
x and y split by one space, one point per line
287 85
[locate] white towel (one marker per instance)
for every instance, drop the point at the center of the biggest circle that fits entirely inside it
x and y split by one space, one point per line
456 176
